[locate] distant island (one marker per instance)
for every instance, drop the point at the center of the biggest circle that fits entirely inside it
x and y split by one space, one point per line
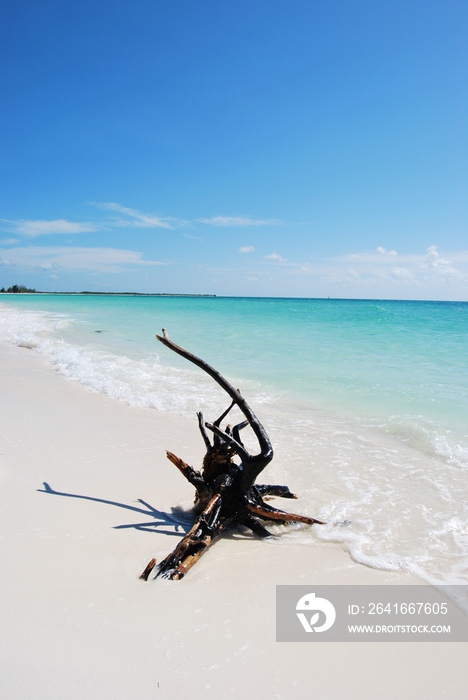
21 289
17 289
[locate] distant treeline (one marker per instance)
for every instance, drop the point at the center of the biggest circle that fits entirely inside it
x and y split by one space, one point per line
17 289
21 289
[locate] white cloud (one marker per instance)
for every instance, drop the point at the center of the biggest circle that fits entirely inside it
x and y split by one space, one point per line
401 273
77 258
238 221
275 256
379 256
49 266
34 228
441 268
247 249
433 259
134 217
427 270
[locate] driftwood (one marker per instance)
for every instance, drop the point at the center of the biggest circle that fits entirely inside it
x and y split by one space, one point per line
226 493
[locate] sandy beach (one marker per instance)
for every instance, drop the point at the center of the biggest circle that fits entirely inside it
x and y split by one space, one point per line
87 498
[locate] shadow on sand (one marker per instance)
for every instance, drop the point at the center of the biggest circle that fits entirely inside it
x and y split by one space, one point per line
179 519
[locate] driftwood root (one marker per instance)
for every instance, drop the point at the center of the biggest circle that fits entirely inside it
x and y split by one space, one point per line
225 491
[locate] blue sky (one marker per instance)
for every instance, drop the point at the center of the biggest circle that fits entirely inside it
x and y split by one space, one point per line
295 148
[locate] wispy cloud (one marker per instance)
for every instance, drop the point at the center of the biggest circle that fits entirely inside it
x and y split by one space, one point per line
77 258
247 249
383 251
34 228
191 237
133 217
120 216
224 221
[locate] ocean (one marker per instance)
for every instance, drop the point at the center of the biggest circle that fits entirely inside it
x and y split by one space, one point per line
365 401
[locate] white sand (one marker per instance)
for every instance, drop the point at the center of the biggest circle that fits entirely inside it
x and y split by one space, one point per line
78 623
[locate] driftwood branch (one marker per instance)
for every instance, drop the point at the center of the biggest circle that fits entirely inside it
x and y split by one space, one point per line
225 490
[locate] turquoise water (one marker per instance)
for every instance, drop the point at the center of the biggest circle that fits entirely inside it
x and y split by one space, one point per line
366 401
369 357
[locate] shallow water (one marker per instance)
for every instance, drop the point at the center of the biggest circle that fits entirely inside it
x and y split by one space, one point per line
366 402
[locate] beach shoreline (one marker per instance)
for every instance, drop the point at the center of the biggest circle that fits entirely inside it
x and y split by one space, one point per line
88 497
